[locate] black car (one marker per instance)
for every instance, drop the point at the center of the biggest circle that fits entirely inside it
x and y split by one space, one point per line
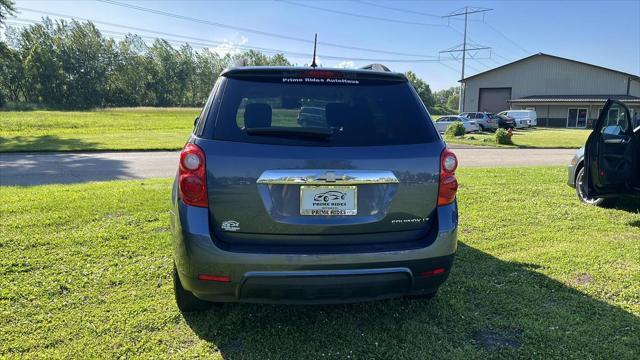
608 167
505 122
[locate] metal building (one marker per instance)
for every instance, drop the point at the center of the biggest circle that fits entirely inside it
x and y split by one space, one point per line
563 92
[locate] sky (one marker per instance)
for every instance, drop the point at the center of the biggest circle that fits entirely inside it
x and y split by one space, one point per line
409 35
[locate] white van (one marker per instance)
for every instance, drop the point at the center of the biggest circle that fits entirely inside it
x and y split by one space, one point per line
523 118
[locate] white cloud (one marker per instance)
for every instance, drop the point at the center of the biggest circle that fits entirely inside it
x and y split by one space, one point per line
230 47
346 65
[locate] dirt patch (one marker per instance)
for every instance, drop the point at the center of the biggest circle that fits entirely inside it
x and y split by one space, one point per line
498 339
583 279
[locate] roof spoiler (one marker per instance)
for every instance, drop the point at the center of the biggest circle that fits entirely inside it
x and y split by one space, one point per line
376 67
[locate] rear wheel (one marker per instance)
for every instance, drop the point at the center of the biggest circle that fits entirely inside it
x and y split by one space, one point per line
582 193
186 301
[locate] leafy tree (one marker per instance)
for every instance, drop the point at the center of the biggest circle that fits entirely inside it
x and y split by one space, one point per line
127 82
453 102
447 100
12 78
422 88
71 64
85 57
7 7
39 50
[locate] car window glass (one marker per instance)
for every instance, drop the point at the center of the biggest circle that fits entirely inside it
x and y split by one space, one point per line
615 122
368 113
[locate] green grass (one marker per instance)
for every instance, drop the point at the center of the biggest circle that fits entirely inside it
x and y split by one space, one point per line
168 129
85 272
531 138
113 129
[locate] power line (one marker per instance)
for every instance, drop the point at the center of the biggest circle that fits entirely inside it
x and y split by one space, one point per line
399 9
253 31
449 67
207 43
507 38
481 63
360 15
495 61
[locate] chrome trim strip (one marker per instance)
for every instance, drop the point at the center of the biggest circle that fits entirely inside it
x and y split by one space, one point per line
324 177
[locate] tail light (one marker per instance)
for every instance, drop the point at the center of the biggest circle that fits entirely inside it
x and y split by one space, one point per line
192 176
448 186
434 272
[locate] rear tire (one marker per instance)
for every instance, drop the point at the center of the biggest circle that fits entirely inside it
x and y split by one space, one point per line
186 301
582 194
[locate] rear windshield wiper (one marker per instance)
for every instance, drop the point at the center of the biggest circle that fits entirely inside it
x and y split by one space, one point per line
315 133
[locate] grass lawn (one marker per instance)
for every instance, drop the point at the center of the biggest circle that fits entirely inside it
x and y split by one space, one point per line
111 129
531 138
85 272
168 129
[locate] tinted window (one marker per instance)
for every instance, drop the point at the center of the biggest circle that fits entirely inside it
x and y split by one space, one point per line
615 122
362 114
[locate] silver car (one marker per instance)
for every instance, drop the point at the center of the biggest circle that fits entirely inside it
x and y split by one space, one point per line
469 125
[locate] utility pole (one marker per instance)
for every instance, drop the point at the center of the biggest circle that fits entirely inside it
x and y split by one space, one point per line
465 49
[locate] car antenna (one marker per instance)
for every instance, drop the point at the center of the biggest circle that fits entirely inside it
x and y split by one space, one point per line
315 43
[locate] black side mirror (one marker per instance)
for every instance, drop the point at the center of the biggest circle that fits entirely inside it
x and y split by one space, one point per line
195 121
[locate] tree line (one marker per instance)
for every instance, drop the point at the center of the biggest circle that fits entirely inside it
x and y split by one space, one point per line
63 64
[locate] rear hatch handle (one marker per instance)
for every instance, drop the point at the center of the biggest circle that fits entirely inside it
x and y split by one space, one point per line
320 176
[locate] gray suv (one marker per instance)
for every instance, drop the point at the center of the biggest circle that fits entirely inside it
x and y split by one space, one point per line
268 210
486 121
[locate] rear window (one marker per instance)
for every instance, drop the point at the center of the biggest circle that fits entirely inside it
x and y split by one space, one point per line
346 113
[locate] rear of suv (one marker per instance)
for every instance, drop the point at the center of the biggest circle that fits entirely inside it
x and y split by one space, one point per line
269 209
486 121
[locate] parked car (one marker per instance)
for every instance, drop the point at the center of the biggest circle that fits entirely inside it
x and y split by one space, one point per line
443 123
311 116
609 165
266 212
485 120
523 118
505 122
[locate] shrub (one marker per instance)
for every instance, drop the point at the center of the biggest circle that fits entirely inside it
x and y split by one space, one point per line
502 137
455 129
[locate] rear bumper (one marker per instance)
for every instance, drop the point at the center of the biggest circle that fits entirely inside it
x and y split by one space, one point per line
307 278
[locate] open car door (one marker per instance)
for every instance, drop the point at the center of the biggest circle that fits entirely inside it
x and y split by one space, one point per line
610 152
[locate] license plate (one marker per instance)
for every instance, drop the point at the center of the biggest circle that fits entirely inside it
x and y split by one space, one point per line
328 200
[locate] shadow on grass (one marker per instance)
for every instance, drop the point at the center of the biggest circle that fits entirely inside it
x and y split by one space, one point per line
25 169
489 307
43 143
629 204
